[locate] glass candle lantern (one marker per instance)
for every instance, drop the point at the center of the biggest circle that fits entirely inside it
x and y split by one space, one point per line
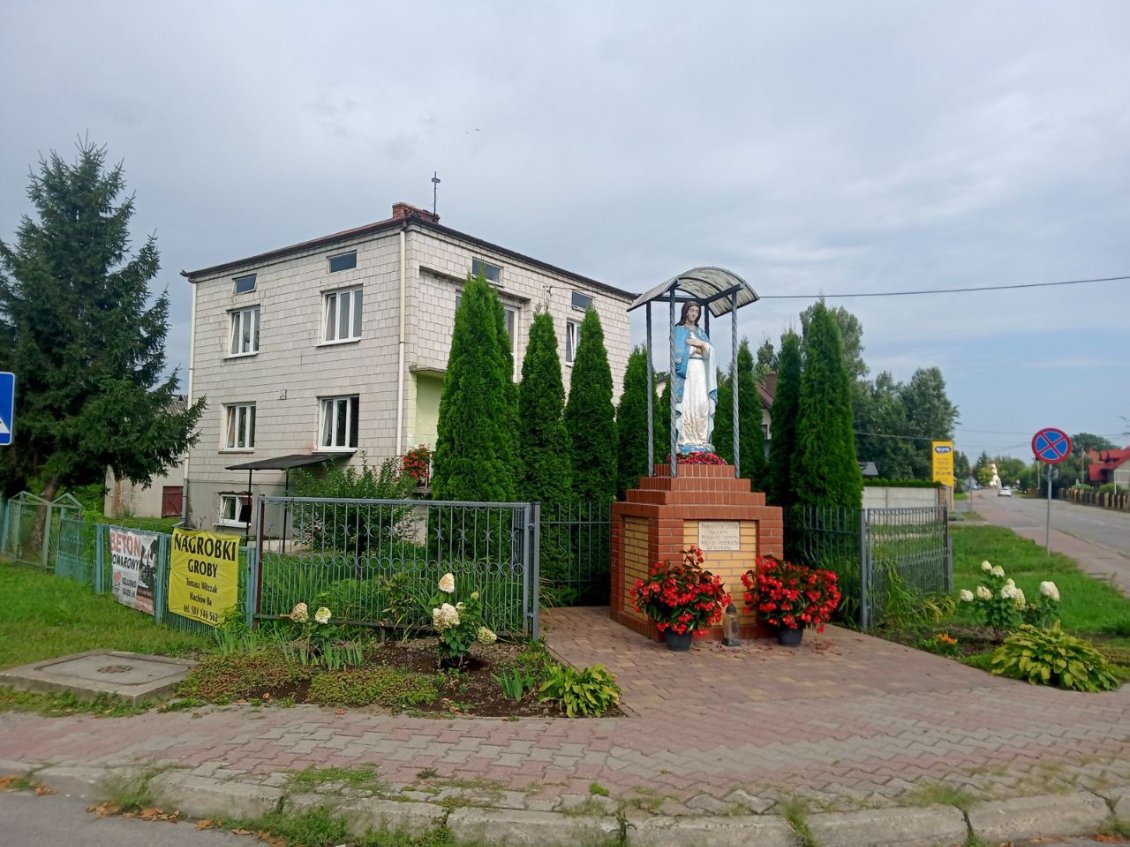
730 627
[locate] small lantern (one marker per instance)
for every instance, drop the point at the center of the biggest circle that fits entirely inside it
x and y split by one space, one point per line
730 627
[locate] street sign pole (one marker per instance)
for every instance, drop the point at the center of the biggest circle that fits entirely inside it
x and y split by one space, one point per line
1048 524
1050 446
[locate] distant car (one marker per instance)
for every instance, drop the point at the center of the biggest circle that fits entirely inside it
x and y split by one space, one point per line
1005 492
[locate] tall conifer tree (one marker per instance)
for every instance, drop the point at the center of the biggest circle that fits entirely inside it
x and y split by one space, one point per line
786 405
87 348
544 453
591 418
827 473
631 422
751 437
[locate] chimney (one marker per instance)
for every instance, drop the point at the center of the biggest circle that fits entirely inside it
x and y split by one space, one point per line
404 211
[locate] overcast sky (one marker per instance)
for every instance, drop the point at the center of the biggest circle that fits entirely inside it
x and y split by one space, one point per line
812 148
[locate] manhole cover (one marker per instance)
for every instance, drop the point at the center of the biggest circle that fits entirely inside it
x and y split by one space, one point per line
116 669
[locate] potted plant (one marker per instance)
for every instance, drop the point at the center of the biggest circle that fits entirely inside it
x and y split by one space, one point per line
681 598
790 597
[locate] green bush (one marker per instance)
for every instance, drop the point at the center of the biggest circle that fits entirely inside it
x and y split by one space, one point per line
235 676
589 692
1053 657
380 686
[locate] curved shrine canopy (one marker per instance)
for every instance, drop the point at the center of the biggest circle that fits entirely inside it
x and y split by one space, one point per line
710 285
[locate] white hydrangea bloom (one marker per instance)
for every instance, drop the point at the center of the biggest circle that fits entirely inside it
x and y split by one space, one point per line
323 615
437 620
1008 592
986 566
474 595
966 595
1010 583
984 593
1019 598
300 614
1049 590
486 636
447 583
450 614
997 570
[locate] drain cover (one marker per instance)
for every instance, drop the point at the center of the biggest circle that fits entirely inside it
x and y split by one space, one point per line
116 669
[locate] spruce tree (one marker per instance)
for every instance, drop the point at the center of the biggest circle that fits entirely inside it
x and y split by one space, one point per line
827 473
590 417
77 329
783 426
751 438
631 423
474 457
546 472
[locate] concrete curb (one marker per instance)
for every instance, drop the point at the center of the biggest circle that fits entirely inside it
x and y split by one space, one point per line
1060 815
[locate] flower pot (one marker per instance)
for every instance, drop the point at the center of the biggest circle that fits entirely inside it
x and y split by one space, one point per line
678 643
789 637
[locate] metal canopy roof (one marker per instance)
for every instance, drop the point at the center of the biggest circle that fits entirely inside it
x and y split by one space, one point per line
712 286
283 463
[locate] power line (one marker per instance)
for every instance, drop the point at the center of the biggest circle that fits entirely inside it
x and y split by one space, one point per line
943 290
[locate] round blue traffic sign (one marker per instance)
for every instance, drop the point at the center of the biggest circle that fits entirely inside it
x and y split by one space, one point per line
1051 445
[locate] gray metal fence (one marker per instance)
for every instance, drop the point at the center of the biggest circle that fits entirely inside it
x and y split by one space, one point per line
872 549
29 532
376 562
576 553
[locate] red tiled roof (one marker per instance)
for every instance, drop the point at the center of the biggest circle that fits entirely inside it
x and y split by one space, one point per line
1101 463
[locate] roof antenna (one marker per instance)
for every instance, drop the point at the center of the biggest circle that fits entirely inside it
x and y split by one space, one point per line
435 190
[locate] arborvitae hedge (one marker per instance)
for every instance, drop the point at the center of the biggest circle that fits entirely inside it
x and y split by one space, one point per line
631 423
827 473
546 471
590 417
786 405
750 435
474 457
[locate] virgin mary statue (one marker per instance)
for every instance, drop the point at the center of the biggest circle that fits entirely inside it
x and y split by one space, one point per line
695 383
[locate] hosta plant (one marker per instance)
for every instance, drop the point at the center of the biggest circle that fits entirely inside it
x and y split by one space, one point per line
1053 657
588 692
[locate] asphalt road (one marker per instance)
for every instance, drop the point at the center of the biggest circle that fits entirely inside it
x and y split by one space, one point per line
30 821
1104 527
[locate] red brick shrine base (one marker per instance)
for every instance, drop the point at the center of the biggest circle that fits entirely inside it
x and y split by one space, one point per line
705 506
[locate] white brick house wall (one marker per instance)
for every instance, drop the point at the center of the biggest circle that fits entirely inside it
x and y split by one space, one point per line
294 368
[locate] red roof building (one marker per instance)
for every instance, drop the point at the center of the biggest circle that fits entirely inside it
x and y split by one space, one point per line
1101 464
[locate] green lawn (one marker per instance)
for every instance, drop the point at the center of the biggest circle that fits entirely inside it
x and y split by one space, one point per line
44 616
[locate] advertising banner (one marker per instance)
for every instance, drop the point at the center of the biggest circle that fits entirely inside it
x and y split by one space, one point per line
942 452
203 575
133 563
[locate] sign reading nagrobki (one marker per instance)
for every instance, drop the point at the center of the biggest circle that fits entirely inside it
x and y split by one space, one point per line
203 575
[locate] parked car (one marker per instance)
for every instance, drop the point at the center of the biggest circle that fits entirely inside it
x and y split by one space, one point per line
1005 492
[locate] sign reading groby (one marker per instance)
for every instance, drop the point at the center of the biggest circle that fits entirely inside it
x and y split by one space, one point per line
942 464
7 407
203 575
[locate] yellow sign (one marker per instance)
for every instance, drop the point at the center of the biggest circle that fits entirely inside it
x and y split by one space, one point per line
942 452
203 575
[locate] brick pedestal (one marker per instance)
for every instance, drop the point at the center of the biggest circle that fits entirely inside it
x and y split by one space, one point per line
662 517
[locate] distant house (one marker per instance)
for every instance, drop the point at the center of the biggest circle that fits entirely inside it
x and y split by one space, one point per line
338 346
163 497
1106 466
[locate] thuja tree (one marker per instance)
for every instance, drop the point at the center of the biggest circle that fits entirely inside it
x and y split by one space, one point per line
545 468
476 433
590 417
751 437
827 473
85 340
631 423
723 436
783 426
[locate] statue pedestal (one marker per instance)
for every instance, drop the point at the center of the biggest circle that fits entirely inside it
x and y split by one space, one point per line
705 506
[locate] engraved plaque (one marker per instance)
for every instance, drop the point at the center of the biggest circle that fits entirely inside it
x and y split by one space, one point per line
719 535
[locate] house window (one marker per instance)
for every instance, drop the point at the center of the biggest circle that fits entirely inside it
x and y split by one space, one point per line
581 301
572 339
339 423
343 315
491 273
243 284
240 426
344 262
235 509
244 332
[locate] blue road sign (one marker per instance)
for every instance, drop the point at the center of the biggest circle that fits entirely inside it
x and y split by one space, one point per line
7 406
1051 445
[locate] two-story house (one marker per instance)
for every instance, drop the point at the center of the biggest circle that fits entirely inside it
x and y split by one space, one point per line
339 345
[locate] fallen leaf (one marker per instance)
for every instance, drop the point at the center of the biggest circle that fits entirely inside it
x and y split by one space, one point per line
42 790
204 824
150 813
6 781
339 712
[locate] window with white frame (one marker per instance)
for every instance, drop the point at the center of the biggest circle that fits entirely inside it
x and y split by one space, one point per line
245 283
572 340
343 262
339 423
491 273
343 315
235 509
244 332
239 426
581 301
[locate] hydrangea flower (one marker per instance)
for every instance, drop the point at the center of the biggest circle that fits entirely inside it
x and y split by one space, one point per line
300 614
966 595
984 593
447 583
445 617
997 570
323 615
486 636
1049 590
986 566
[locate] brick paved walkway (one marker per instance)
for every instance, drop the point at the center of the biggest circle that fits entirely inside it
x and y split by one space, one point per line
844 720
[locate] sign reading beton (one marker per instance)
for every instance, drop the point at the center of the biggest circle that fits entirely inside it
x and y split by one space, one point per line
719 535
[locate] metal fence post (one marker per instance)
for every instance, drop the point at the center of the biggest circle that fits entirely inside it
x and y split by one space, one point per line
949 551
43 553
97 558
161 579
535 571
250 587
864 572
